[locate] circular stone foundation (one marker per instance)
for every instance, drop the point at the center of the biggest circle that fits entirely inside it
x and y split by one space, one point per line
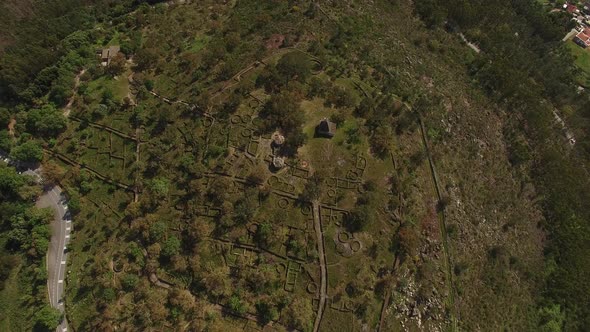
312 288
273 180
247 132
281 268
355 246
283 203
207 122
305 209
343 237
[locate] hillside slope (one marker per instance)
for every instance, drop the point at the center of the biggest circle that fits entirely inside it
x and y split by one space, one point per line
310 165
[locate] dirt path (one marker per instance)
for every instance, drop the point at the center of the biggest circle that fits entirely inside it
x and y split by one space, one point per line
182 102
68 107
130 94
443 228
72 162
568 134
470 44
137 159
11 126
389 291
317 225
107 128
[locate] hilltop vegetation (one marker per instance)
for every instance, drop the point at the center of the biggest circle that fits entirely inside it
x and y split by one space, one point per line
205 197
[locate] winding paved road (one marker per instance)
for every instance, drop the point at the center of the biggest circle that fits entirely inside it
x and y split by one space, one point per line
61 227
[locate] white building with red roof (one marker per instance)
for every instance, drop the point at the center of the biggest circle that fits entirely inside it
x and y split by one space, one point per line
583 37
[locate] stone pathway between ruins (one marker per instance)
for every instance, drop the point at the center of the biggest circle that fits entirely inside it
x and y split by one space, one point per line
317 225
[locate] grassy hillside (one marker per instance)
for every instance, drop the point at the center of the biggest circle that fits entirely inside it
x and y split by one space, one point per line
582 62
207 199
186 158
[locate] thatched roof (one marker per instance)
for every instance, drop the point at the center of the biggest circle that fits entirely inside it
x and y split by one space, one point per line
326 128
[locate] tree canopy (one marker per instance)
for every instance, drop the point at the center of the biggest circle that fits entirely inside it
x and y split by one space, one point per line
282 111
294 65
47 319
46 121
29 151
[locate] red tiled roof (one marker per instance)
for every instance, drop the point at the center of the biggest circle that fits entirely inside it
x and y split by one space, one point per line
571 8
584 36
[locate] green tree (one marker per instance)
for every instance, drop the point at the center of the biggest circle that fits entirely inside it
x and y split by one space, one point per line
30 151
406 241
218 191
244 210
5 140
236 305
431 12
117 64
381 141
171 246
129 281
298 314
4 118
293 141
47 319
313 188
229 67
232 40
46 121
318 87
61 91
294 65
339 96
52 173
282 111
551 318
45 79
159 187
266 312
263 234
270 79
10 182
74 203
145 59
358 219
365 108
157 231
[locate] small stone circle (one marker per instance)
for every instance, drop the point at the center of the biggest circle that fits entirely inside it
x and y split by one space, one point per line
312 287
355 245
343 237
332 193
283 203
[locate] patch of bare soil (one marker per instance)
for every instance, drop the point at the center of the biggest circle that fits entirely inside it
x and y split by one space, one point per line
11 126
